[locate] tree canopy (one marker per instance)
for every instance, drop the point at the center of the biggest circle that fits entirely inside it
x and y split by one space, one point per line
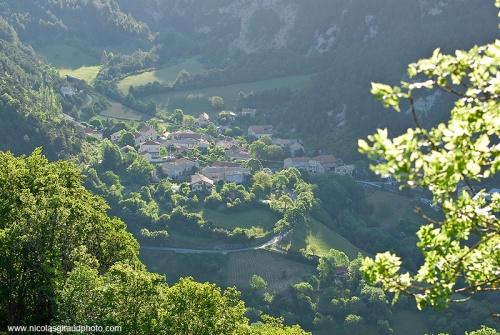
455 160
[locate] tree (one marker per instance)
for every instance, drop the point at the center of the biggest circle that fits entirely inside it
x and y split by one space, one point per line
330 261
47 218
140 170
257 282
262 183
111 155
196 308
216 102
127 138
177 117
461 254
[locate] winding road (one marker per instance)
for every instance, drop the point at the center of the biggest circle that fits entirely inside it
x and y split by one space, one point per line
272 242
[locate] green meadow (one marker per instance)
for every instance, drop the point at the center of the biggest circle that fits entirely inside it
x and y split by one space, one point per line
317 239
195 102
72 61
260 221
390 207
121 112
162 75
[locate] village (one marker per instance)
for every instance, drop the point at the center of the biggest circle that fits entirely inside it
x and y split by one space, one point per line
169 150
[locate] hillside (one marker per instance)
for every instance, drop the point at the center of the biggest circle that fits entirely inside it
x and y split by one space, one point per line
30 107
347 44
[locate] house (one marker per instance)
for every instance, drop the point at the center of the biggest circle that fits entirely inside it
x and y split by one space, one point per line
226 164
203 119
151 147
226 174
284 143
186 144
179 169
67 90
115 137
200 183
315 165
327 162
260 130
294 145
248 112
344 169
91 132
296 148
145 133
297 162
226 143
238 153
149 156
148 132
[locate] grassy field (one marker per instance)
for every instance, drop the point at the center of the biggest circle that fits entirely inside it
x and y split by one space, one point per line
390 207
202 267
72 61
410 322
318 239
195 102
164 75
119 111
261 220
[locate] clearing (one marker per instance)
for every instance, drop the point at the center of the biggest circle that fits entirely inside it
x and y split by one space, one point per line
195 102
121 112
163 75
260 221
317 239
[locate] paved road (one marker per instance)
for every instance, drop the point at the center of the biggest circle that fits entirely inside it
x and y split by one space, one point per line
275 240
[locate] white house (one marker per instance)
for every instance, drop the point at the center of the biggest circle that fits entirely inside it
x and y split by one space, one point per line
179 169
203 119
200 183
260 130
67 90
318 164
151 147
227 174
115 136
248 112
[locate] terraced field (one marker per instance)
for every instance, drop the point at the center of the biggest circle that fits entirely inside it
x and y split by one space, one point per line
278 271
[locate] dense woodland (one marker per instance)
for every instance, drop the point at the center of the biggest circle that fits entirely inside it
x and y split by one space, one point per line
74 209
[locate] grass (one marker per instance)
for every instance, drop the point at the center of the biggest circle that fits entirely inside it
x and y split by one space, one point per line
164 75
409 322
390 207
261 220
278 271
72 61
119 111
317 239
202 267
195 102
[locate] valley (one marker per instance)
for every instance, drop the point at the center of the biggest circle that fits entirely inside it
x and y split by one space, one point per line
218 145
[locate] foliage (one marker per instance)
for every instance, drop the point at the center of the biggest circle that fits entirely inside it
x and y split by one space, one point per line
257 282
461 252
47 215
